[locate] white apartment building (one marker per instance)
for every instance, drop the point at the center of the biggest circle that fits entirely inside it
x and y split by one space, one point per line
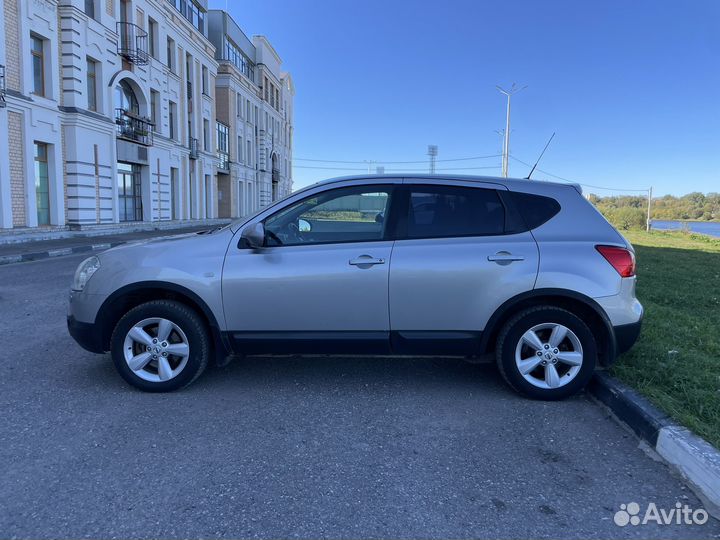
109 115
254 100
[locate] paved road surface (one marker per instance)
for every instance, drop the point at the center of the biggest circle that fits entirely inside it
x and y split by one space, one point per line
287 447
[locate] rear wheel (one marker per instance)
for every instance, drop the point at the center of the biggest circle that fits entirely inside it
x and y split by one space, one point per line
160 346
546 352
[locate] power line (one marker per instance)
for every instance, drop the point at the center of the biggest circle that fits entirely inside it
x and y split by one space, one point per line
328 168
575 181
393 170
394 162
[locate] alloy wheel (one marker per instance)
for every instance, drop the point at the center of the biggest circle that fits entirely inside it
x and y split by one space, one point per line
549 355
156 349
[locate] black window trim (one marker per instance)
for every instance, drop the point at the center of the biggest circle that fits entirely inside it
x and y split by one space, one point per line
391 189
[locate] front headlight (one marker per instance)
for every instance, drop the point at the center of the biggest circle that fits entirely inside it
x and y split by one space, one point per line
84 272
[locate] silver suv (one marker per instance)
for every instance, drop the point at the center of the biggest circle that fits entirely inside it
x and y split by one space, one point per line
421 265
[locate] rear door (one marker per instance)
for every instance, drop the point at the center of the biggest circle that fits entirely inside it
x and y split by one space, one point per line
457 257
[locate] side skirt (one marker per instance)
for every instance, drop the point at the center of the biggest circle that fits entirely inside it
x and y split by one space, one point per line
444 343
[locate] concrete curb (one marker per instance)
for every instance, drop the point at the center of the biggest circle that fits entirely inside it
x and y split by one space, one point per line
693 457
38 255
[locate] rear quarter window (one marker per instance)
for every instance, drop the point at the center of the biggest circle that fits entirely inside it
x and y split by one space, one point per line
534 210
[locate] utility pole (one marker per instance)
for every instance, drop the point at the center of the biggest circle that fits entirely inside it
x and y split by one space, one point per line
649 222
432 153
506 146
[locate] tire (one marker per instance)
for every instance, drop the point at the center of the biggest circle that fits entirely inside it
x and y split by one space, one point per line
162 365
572 358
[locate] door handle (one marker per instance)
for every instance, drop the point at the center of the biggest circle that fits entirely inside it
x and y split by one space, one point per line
505 256
366 260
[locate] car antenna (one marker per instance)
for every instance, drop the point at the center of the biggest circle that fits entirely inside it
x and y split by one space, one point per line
541 155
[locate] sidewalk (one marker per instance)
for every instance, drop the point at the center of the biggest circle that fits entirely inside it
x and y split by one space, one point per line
71 242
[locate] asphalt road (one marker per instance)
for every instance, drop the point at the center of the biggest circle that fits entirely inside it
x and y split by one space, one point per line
288 447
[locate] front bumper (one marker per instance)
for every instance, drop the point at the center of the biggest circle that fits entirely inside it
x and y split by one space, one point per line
86 335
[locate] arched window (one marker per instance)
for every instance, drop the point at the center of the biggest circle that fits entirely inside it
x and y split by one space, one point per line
125 98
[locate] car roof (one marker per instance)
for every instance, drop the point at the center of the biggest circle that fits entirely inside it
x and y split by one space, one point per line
518 183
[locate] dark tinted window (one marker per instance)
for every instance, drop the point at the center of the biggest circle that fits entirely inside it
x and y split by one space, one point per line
443 211
534 209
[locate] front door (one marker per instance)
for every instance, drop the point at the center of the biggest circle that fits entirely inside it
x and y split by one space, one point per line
129 192
454 263
321 282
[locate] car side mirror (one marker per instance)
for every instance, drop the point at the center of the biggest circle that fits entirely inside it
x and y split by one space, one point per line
253 236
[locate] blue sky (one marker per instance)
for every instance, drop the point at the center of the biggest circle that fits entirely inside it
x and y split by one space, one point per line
632 88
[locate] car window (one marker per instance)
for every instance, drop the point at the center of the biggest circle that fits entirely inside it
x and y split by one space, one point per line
445 211
354 214
534 209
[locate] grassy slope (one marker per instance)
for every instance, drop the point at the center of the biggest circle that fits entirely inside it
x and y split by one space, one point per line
679 285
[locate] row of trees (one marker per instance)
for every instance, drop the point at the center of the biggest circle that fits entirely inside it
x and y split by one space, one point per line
630 212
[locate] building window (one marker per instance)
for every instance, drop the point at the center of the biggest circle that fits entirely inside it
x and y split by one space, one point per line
248 155
192 12
248 112
129 192
240 150
205 81
223 138
38 65
152 37
155 110
92 84
90 8
232 53
174 190
42 184
171 54
172 120
206 135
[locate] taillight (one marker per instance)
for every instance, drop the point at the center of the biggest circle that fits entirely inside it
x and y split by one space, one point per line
621 259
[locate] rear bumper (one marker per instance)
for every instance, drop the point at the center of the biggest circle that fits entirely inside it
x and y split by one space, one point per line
86 335
626 335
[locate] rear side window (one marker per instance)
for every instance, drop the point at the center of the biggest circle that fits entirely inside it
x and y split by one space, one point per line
533 209
446 211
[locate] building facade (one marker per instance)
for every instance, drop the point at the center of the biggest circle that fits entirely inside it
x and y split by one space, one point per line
254 100
109 114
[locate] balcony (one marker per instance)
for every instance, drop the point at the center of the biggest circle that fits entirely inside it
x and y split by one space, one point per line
133 128
193 146
133 44
2 86
223 161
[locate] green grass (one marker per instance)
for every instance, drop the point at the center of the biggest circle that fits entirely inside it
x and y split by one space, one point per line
676 361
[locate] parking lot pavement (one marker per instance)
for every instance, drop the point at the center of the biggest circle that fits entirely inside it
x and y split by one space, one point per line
311 447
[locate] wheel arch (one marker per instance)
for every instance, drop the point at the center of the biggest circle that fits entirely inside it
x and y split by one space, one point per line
134 294
579 304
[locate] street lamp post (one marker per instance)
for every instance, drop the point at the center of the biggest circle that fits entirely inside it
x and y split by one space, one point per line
506 146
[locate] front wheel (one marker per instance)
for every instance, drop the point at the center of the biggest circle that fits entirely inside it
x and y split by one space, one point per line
546 352
160 346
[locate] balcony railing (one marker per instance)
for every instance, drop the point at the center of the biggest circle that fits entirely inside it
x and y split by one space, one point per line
133 43
133 128
193 146
223 161
2 86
